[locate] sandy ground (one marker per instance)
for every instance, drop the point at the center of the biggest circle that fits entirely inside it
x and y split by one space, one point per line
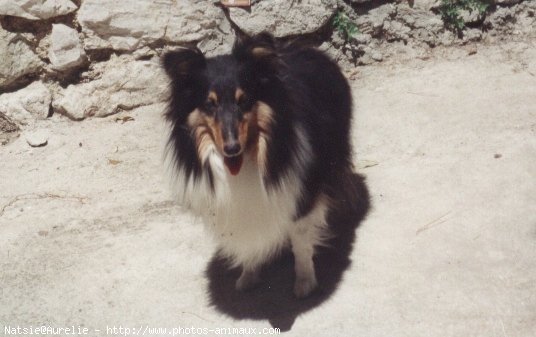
89 235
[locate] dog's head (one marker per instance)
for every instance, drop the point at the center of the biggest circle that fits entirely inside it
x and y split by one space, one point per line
220 99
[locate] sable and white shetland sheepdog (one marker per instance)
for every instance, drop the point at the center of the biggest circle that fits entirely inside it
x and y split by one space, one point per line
258 140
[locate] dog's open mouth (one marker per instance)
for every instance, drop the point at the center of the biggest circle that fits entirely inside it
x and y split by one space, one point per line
233 164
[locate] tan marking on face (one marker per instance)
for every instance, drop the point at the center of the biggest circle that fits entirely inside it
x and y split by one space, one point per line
248 118
215 128
262 51
265 116
243 129
194 119
213 96
206 133
264 120
254 132
238 94
262 154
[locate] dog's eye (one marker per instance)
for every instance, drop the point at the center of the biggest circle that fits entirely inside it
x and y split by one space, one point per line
210 105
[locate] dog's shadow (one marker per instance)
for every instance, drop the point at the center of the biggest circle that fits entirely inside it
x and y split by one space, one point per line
273 299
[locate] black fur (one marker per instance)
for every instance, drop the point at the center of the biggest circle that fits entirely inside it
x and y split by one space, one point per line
185 69
302 86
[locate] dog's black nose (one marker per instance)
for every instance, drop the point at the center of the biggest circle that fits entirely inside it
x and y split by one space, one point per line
231 149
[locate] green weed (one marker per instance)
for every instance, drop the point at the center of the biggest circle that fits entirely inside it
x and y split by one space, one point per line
450 11
344 26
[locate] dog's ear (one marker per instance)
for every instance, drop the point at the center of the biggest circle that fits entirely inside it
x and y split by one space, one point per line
259 54
183 63
185 67
258 47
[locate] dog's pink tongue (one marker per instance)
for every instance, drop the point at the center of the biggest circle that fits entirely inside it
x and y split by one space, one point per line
233 164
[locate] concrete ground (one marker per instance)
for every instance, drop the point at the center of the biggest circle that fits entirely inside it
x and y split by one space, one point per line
90 238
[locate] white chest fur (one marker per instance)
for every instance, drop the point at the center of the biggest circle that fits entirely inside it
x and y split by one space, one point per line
250 224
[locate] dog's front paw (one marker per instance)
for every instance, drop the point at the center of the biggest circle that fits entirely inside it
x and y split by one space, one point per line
247 280
304 286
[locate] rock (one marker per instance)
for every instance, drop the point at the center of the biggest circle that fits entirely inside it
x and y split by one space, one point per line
426 4
65 50
472 16
124 84
376 56
525 17
6 124
36 9
335 54
129 25
16 58
373 22
418 18
366 59
472 50
284 18
27 104
424 35
506 2
362 38
144 53
500 18
337 40
219 42
395 30
36 138
43 47
8 129
325 46
472 34
419 24
447 38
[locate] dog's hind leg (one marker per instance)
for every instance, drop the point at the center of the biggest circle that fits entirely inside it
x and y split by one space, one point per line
307 232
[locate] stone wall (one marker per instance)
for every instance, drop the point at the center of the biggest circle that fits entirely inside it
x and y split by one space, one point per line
84 58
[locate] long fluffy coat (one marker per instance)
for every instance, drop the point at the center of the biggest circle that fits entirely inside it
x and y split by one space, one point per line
258 140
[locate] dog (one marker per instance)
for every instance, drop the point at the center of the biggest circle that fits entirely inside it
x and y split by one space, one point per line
259 140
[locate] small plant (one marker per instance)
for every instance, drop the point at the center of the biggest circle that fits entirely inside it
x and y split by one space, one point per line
450 11
344 25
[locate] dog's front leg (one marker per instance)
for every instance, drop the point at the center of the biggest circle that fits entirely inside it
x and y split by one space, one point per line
304 267
249 278
306 233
